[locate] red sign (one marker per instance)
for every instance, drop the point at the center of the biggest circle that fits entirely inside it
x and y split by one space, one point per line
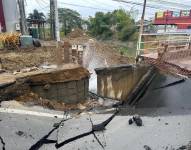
168 13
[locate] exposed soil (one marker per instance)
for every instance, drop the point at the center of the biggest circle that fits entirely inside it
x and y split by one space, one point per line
19 59
73 73
102 55
33 99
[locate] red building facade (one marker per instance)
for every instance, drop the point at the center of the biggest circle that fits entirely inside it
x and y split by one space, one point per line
181 19
2 19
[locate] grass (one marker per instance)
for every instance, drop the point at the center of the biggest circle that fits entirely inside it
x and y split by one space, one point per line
127 51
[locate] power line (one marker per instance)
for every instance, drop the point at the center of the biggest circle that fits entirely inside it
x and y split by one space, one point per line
172 3
140 4
83 6
40 5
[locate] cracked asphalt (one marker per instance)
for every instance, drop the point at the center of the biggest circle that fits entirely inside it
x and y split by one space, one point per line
166 125
157 132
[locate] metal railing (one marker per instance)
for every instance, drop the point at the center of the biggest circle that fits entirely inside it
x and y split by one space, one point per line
150 43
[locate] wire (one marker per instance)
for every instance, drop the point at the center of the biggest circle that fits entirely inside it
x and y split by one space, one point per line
140 4
83 6
172 3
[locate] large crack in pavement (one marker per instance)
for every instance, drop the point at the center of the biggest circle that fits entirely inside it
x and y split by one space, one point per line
44 139
95 128
3 143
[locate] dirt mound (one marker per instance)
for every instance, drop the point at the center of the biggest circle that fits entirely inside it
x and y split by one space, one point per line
76 33
17 60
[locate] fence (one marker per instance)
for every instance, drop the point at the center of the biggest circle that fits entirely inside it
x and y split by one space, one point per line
152 43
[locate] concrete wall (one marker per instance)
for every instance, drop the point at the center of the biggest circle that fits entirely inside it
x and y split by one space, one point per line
118 81
69 92
11 14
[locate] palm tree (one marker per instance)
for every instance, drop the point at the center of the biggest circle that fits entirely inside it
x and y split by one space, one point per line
37 18
37 15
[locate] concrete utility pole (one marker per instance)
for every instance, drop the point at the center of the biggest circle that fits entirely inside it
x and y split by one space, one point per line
22 17
141 27
57 26
52 19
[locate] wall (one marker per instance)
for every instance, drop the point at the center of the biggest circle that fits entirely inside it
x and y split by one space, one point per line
11 14
118 81
69 92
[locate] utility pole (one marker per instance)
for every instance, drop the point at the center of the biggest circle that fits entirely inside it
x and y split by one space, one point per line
54 21
57 26
22 17
141 28
52 18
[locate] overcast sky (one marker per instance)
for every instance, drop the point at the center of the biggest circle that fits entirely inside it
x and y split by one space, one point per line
109 5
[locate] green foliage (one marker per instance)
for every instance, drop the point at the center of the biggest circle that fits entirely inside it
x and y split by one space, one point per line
69 19
127 51
37 15
117 24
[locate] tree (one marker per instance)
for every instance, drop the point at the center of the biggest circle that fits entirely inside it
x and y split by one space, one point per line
69 19
37 18
117 24
125 25
37 15
100 25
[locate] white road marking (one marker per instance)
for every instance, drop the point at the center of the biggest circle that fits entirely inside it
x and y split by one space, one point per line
33 113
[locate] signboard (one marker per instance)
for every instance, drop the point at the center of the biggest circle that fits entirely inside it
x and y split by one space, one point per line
159 14
176 14
168 13
17 26
185 13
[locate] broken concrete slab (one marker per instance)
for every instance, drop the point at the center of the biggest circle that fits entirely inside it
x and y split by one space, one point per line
84 143
73 128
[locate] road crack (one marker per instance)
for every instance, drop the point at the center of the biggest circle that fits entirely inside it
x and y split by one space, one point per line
2 142
95 128
45 140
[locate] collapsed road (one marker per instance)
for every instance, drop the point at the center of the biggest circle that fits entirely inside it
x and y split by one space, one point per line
165 113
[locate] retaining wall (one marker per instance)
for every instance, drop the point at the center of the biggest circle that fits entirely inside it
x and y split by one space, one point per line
118 81
68 92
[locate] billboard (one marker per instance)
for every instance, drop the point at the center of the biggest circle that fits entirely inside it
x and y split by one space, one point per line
176 14
168 13
185 13
160 14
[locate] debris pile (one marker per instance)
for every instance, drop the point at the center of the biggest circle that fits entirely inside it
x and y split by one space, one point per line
18 60
137 120
77 33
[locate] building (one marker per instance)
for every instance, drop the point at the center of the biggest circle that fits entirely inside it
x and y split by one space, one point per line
180 20
2 19
9 16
